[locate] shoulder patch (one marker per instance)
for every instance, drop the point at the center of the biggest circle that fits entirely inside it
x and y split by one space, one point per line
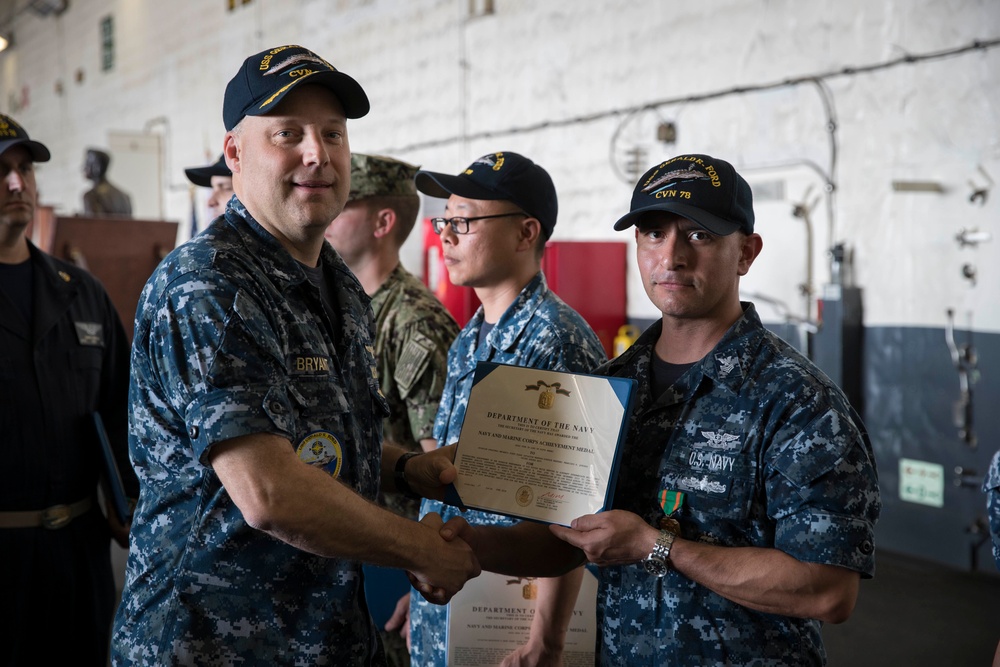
322 449
412 363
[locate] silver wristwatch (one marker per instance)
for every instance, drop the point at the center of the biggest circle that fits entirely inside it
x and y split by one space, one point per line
657 563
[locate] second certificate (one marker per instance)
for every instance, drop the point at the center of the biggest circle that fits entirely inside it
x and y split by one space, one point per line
540 444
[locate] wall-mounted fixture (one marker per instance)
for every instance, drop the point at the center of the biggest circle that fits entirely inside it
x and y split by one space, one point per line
917 186
979 194
972 237
803 211
47 7
6 40
666 132
964 358
480 8
969 273
107 43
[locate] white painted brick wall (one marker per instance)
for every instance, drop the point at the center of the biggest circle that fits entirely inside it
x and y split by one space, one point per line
435 76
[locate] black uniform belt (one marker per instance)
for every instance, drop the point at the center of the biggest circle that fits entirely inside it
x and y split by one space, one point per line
57 516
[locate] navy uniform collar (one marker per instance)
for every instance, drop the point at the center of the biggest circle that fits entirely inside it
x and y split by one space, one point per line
275 259
730 360
727 364
512 323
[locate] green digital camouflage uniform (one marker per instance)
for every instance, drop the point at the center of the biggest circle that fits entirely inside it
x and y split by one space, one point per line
413 331
412 334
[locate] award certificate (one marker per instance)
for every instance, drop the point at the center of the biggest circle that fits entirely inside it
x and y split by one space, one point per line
491 616
541 445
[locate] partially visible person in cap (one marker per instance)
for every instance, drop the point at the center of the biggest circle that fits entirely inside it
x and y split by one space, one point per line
747 494
105 198
63 357
412 329
501 210
219 179
256 414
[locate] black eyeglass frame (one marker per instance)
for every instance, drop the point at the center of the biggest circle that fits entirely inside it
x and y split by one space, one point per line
439 223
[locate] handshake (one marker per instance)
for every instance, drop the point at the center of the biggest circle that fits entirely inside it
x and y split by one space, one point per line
440 557
448 561
438 560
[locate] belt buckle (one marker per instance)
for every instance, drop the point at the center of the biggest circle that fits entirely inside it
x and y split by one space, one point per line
56 517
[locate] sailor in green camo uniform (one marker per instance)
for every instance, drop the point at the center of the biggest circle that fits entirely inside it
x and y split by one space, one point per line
413 330
521 322
256 412
747 495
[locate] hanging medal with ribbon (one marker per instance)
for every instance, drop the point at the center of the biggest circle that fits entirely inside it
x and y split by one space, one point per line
670 502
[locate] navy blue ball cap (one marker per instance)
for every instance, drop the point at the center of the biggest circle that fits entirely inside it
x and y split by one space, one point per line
505 175
203 175
701 188
12 134
265 78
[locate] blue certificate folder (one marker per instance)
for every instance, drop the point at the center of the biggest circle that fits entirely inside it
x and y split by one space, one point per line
114 489
383 588
539 444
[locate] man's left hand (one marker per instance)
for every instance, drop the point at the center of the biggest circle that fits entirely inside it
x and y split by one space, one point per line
615 537
429 473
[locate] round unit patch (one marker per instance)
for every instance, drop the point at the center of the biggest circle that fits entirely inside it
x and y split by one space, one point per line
321 448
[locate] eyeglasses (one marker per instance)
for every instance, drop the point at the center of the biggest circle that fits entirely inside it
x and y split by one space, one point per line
461 225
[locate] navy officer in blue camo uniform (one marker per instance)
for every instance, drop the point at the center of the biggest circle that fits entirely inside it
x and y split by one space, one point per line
991 486
504 207
63 356
747 496
256 411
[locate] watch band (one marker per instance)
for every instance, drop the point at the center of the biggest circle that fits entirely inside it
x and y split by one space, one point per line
399 475
657 563
664 541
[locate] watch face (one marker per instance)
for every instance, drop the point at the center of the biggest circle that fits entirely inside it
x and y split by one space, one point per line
655 566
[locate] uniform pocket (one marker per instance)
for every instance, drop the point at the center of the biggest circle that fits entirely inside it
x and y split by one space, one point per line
725 495
86 364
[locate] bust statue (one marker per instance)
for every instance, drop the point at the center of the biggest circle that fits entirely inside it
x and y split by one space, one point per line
104 199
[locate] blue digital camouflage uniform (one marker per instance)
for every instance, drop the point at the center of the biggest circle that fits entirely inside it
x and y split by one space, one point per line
231 339
539 331
991 486
769 454
413 332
